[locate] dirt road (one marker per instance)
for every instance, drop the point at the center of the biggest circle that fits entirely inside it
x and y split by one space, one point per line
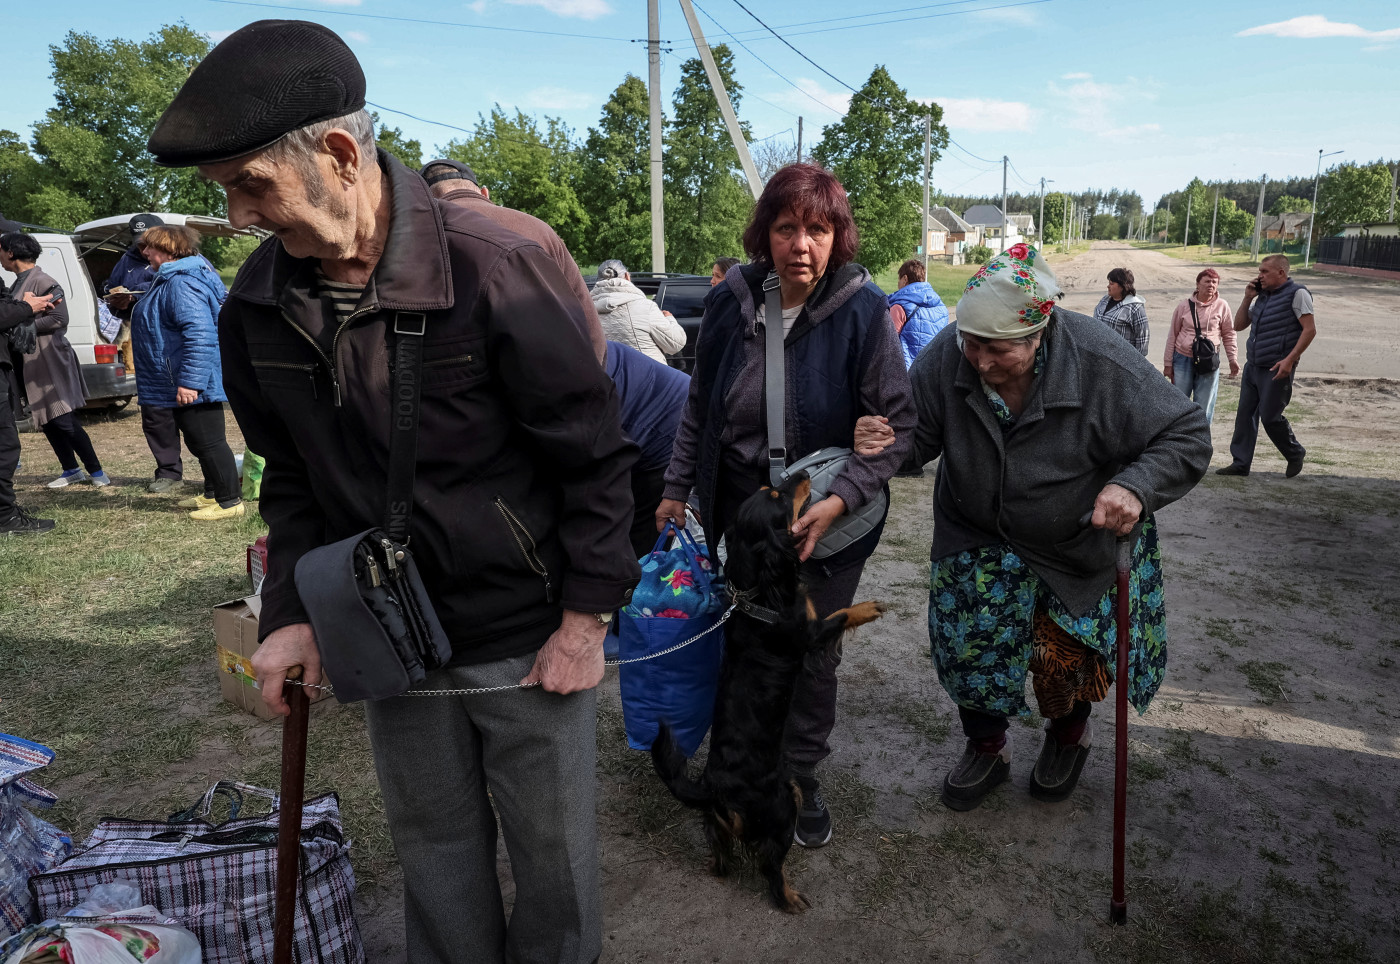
1357 321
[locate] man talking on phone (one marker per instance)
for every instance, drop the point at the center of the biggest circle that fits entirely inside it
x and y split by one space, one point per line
1279 312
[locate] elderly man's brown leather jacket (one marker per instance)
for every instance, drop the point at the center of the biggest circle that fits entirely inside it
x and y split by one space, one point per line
521 502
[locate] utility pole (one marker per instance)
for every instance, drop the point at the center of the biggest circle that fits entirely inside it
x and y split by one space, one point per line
1064 228
736 134
799 140
658 225
1214 211
1040 225
1004 161
1394 182
928 164
1186 231
1258 220
1312 215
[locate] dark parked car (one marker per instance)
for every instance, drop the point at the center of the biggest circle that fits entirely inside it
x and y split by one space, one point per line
683 295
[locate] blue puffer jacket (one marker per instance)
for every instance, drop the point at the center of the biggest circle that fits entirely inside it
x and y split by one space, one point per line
175 336
926 316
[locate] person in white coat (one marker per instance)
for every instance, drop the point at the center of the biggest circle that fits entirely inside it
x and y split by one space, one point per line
632 318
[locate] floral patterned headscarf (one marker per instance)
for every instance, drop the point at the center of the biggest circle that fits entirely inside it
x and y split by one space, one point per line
1011 296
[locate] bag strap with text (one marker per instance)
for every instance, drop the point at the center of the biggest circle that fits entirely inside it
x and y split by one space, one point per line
774 381
409 327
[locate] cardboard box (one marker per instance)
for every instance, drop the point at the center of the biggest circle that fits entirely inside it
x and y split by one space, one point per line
235 642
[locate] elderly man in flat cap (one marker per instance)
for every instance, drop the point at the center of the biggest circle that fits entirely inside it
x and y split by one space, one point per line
521 503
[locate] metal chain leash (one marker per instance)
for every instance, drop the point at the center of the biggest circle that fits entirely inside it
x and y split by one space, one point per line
478 690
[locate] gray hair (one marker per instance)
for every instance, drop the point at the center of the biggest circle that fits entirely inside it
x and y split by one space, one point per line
299 146
612 268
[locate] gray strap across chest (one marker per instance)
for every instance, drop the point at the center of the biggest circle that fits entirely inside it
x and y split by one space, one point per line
775 382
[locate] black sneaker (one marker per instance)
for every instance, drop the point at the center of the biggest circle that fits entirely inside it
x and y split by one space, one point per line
22 523
1294 467
1057 770
975 776
813 818
1233 470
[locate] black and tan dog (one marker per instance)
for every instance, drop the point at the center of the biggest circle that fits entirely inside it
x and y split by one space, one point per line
746 792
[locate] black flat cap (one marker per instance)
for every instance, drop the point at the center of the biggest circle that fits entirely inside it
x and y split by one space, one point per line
456 170
262 82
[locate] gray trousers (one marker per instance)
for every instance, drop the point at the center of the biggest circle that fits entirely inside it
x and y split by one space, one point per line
437 758
1263 400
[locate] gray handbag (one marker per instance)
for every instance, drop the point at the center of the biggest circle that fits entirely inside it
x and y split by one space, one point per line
822 466
375 626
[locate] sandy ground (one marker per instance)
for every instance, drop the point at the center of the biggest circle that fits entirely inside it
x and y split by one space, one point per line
1358 320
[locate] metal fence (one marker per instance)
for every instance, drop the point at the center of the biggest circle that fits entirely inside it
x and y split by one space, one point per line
1381 253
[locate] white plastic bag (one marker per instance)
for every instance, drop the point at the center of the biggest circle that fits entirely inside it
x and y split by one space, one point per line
95 929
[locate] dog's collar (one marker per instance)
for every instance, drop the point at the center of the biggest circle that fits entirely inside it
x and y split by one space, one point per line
743 601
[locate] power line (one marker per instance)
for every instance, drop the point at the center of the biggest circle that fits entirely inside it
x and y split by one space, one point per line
931 16
1030 184
434 23
792 48
765 63
984 160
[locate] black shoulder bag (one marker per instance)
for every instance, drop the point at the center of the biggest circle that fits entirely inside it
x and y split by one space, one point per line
1205 357
375 627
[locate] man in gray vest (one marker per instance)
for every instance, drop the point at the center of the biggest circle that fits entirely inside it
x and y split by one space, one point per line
1280 313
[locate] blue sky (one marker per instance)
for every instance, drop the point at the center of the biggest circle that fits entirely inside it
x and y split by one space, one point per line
1134 95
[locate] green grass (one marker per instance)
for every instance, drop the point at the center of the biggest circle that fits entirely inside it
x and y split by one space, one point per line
1200 254
948 280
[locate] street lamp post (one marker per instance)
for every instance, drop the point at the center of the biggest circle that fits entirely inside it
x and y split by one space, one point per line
1312 215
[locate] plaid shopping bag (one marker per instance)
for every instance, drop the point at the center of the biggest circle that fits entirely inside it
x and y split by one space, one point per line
28 845
219 880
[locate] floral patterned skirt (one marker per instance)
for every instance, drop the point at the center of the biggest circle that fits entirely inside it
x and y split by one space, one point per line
981 623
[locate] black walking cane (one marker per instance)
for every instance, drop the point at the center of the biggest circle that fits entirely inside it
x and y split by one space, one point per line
289 817
1118 906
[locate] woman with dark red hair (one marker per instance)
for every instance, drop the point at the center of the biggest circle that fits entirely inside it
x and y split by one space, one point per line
1208 314
842 362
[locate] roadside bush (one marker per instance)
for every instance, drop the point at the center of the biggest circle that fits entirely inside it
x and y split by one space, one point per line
979 254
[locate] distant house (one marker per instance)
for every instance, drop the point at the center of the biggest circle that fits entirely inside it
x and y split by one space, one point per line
1371 229
988 217
1284 227
1025 223
959 235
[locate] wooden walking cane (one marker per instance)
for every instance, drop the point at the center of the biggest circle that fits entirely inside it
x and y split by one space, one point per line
1118 906
289 823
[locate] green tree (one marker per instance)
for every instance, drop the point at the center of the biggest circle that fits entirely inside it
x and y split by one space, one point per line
1106 227
1233 223
1053 230
877 153
1350 194
707 202
615 180
1288 204
19 177
91 146
529 168
1202 201
393 141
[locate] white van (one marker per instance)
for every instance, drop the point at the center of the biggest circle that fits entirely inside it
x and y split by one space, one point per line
81 262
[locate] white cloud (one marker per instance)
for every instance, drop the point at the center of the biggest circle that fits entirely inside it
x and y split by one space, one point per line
557 98
978 114
1315 26
1076 76
1132 132
1090 106
477 6
359 36
1007 16
218 36
838 101
583 9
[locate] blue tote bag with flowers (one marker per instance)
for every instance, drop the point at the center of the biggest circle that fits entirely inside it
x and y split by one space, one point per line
679 597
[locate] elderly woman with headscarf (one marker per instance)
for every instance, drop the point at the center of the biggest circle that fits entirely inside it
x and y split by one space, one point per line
1056 437
841 365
